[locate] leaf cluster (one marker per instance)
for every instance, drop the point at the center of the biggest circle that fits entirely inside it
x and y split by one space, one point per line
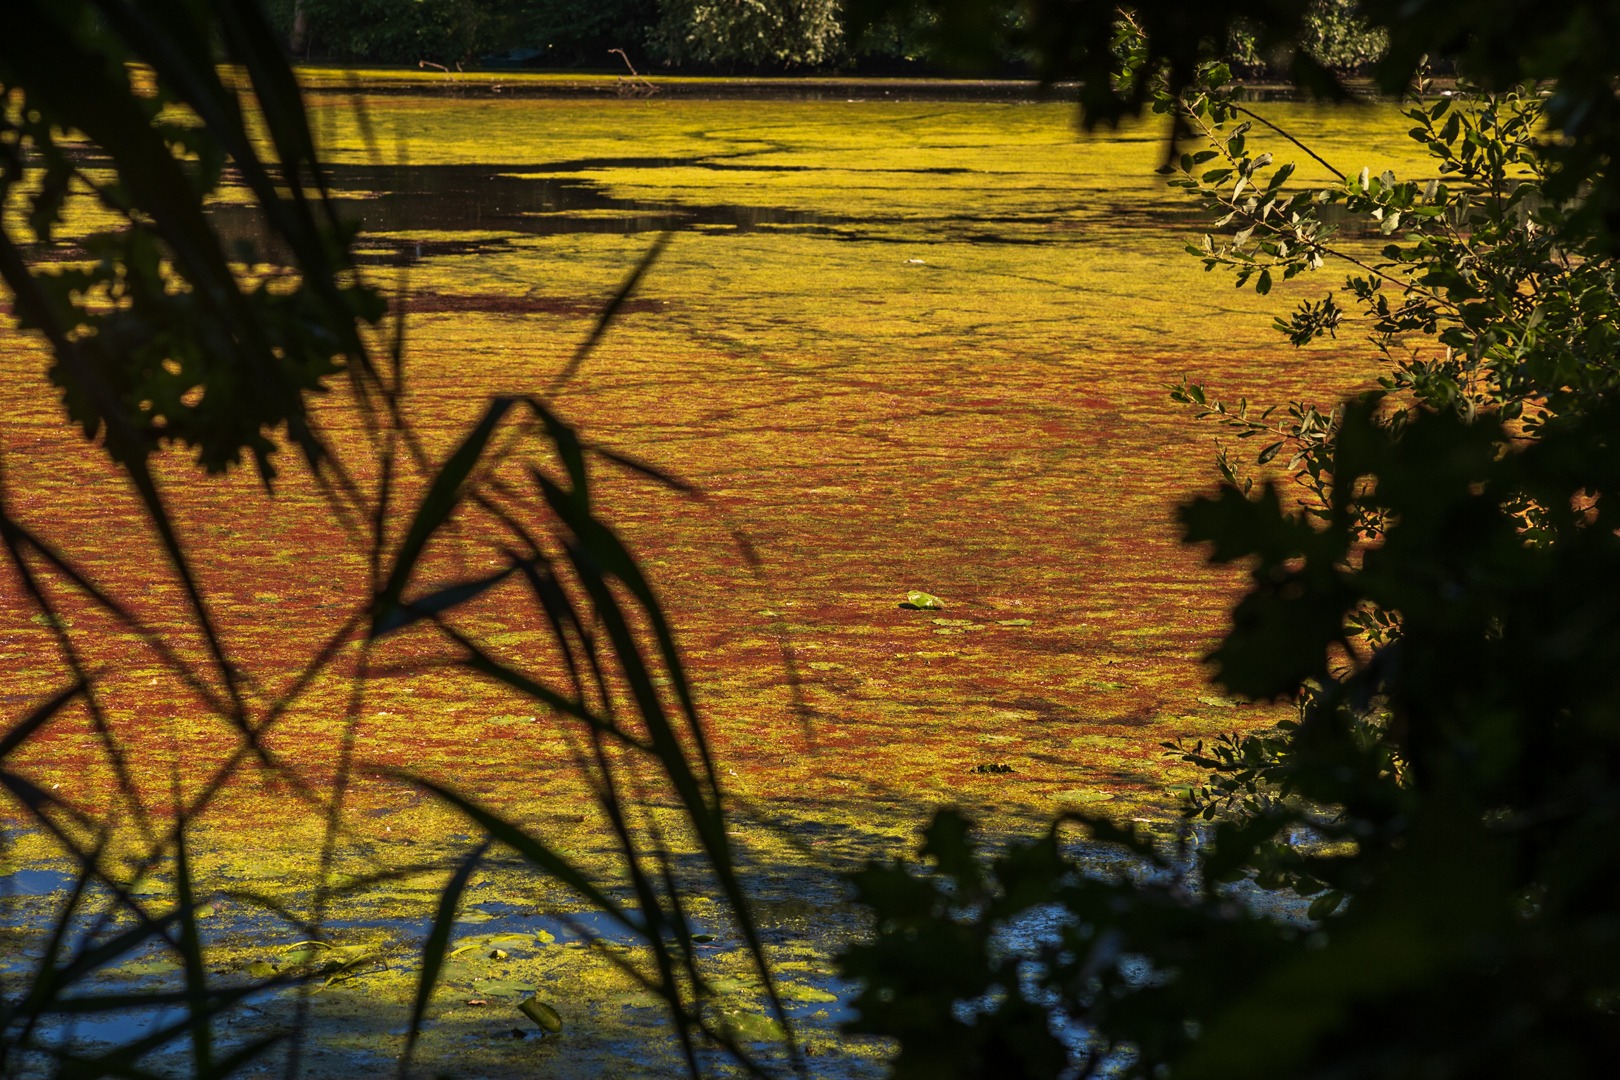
168 335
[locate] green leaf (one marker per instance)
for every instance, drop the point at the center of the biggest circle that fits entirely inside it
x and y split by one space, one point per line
749 1027
433 949
544 1016
926 601
1325 905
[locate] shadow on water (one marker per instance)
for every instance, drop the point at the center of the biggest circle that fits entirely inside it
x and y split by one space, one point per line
435 202
526 200
487 935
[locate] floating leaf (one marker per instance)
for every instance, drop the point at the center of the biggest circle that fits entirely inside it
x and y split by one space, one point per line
640 999
544 937
1081 796
924 601
1015 622
1325 905
503 987
160 966
803 992
544 1016
751 1027
261 970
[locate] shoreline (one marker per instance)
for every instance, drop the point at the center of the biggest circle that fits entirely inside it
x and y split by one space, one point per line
324 80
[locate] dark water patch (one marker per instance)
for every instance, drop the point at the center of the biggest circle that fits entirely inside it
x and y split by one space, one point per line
34 883
509 199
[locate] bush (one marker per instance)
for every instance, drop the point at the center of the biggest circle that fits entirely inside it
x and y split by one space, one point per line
408 31
579 33
748 33
1334 34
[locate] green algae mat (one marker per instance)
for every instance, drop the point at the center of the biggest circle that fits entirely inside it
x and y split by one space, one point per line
896 349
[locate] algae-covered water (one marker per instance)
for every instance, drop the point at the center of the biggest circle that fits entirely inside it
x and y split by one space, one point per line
896 346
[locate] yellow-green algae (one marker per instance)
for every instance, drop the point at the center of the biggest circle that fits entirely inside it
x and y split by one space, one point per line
954 384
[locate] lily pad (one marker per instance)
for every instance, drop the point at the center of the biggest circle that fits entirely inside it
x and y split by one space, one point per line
924 601
640 999
304 952
261 970
953 622
503 987
747 1027
159 966
1077 795
544 1016
1015 622
803 992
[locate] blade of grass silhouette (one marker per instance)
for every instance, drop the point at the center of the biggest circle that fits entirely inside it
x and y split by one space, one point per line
108 745
652 472
433 950
125 448
599 552
563 621
536 852
500 830
121 1060
44 988
479 661
10 528
436 507
51 980
440 601
605 319
190 944
20 731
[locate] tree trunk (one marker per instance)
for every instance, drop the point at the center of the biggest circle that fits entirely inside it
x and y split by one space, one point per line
300 29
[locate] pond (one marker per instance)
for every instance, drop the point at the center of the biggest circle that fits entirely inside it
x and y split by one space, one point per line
896 345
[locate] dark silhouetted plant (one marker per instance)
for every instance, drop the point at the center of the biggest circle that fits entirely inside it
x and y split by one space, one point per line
1441 609
169 339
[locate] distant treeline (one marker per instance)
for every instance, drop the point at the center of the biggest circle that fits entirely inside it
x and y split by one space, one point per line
701 35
